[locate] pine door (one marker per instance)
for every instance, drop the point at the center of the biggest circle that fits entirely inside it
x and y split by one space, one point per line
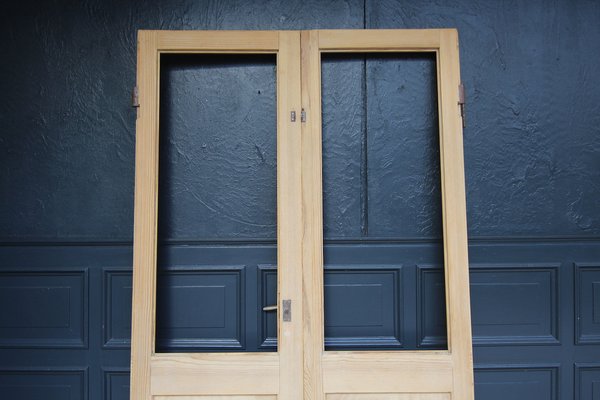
303 367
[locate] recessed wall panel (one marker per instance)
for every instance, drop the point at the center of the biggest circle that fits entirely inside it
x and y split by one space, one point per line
514 304
43 308
516 383
363 306
587 300
116 384
200 308
43 384
117 308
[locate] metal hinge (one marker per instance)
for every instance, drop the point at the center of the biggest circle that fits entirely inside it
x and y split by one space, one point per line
461 102
302 116
135 97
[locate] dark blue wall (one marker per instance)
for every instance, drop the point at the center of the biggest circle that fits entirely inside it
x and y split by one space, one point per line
532 155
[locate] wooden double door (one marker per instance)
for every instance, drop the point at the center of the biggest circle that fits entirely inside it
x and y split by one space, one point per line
301 368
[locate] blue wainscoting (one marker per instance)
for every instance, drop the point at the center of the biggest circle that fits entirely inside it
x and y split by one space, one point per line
65 320
44 308
56 384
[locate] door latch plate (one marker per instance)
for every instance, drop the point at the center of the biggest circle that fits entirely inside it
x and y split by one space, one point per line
286 306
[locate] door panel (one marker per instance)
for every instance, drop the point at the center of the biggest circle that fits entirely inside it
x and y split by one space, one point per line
184 374
387 372
215 397
390 396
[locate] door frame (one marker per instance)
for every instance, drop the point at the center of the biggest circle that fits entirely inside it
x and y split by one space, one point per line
310 371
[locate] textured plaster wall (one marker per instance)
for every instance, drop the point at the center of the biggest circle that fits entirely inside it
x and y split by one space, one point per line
532 144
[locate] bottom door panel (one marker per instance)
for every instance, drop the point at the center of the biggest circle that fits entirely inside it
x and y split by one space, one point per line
412 372
215 374
215 398
389 396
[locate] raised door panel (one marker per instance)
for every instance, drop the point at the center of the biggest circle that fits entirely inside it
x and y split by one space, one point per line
389 396
215 397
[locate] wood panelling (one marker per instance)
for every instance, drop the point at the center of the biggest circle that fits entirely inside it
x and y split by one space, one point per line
516 304
363 306
431 310
219 41
115 384
41 383
561 355
517 382
587 381
145 216
215 398
116 303
44 308
267 292
204 373
403 371
380 40
587 303
177 374
389 396
216 318
113 362
457 376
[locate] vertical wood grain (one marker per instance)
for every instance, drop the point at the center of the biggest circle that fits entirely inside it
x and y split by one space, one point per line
312 200
289 215
445 42
300 213
454 217
145 217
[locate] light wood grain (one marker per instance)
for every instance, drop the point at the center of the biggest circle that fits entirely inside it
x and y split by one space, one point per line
456 261
312 203
289 215
215 398
215 374
218 41
145 217
369 40
389 396
387 372
301 368
448 373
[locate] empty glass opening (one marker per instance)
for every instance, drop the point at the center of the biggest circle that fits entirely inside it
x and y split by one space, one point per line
217 203
384 281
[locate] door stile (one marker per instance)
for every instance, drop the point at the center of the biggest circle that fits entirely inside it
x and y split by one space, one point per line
454 217
312 265
145 218
289 216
